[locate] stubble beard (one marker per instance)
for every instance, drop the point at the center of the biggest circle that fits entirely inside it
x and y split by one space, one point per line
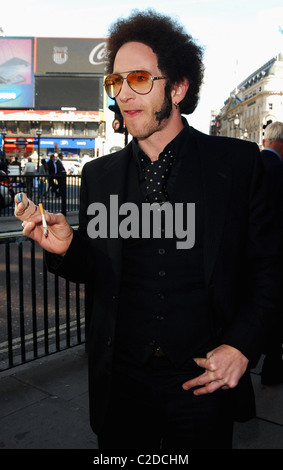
159 118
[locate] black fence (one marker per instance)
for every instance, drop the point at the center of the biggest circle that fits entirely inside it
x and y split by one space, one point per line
40 313
60 193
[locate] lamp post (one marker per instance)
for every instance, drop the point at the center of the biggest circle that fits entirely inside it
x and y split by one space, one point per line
236 121
237 126
4 133
38 133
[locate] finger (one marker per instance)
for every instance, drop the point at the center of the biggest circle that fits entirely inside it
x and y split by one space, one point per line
28 227
197 381
57 218
206 363
208 388
19 207
23 212
200 361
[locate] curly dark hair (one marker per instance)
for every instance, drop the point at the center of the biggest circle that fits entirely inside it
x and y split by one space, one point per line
178 54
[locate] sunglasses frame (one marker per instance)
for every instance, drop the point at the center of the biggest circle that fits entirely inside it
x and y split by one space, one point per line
126 78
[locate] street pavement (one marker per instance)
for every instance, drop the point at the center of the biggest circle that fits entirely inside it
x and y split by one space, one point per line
44 403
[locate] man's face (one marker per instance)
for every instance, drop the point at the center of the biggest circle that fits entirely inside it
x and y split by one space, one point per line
144 114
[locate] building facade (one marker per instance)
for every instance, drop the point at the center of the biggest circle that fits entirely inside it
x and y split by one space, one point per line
255 103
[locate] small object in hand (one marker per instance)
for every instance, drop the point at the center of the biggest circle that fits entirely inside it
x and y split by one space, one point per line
44 224
19 197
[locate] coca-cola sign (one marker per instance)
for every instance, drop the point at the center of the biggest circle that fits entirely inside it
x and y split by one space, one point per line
70 55
98 54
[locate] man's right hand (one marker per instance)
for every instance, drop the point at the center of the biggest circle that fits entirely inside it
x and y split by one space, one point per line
59 235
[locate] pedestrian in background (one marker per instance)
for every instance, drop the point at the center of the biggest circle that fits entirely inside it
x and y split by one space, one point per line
61 172
43 180
52 170
272 157
29 172
3 165
17 163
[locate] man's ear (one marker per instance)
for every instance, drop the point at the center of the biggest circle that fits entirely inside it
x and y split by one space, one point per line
179 90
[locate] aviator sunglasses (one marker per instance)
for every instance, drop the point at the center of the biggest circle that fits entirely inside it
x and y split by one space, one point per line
139 81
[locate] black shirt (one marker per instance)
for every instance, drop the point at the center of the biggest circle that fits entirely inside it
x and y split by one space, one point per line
163 300
175 147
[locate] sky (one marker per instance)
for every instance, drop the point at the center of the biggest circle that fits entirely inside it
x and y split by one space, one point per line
238 36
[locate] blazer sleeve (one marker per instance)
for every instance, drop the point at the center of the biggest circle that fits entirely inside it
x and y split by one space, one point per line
78 263
260 307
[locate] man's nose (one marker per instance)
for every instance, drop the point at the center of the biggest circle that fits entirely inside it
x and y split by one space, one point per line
126 91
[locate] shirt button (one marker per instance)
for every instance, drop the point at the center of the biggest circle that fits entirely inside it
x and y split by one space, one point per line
161 273
159 317
161 251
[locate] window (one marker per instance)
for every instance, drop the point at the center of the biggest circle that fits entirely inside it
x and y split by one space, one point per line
79 128
24 128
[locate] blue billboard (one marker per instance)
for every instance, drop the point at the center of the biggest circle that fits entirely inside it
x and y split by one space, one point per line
65 144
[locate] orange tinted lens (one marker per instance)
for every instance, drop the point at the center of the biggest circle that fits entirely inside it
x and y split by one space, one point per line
113 84
140 81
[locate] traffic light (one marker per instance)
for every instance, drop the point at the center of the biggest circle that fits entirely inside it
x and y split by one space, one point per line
118 122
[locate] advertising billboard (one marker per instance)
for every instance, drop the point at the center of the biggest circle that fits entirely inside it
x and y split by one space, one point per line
77 92
65 144
16 73
70 55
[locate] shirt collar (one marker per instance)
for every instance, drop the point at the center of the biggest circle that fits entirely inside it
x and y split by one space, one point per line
174 145
272 150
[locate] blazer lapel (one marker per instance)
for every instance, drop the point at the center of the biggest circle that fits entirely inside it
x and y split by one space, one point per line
113 189
216 173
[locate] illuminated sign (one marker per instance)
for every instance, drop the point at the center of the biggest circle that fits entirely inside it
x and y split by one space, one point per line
67 143
70 55
16 73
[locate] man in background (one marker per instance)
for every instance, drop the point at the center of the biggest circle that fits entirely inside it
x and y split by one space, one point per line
272 157
61 172
52 171
29 172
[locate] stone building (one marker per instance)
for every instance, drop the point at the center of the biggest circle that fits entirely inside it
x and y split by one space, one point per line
256 102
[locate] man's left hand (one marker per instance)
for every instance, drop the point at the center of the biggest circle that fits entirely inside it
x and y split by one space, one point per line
224 366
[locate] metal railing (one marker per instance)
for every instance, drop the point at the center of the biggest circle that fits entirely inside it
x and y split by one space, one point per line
40 313
58 193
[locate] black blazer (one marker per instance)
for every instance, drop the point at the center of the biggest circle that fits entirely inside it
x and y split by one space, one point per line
274 170
241 254
51 167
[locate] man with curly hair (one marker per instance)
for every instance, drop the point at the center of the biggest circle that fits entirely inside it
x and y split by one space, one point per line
174 327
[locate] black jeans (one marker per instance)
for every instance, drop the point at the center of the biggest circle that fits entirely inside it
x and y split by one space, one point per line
150 410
